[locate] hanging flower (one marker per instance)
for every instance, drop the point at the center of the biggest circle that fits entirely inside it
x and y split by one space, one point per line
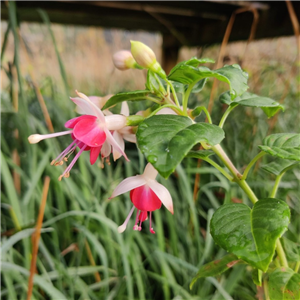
146 194
89 132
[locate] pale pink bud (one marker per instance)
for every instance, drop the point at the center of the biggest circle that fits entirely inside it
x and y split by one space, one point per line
123 60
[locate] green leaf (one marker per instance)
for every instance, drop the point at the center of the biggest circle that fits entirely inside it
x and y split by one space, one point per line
127 96
283 145
251 234
201 154
279 165
166 139
284 284
198 86
181 88
233 75
194 62
291 249
268 105
256 276
215 267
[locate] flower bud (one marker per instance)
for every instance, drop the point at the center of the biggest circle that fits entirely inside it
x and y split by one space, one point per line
123 60
146 58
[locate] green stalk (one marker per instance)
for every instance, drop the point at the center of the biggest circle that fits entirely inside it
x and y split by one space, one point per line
153 99
186 97
281 254
230 178
277 181
173 92
227 112
266 289
236 175
297 266
175 108
161 87
252 162
275 187
198 110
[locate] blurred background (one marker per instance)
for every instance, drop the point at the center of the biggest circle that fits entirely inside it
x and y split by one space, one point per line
50 50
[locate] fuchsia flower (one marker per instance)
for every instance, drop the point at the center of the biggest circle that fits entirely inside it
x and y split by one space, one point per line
146 194
89 133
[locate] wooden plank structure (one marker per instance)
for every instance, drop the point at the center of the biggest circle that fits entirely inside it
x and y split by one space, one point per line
189 23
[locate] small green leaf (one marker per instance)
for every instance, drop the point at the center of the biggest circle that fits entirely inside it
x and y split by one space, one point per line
291 249
166 139
198 86
283 145
284 284
181 88
251 234
233 75
279 165
268 105
201 154
194 62
127 96
256 276
215 267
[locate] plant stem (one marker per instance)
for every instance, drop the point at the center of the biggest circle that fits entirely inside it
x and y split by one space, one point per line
175 108
277 181
161 87
276 184
218 168
186 97
227 112
281 254
153 99
173 92
202 108
297 266
266 289
236 175
252 162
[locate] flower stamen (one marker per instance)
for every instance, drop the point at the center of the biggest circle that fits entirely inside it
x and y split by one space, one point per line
151 228
124 225
66 173
136 227
62 156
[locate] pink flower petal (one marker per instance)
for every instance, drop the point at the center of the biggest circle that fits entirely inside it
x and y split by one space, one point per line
88 132
112 141
83 107
130 138
144 199
119 139
124 109
128 184
97 111
150 172
106 149
162 193
95 151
